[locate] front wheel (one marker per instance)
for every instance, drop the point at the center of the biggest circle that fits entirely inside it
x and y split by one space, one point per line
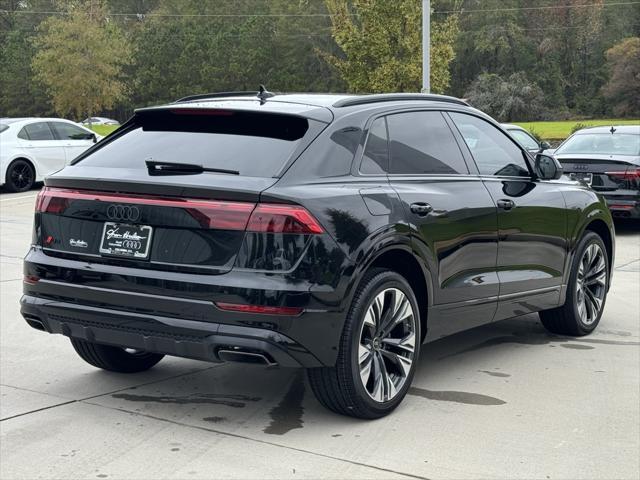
586 291
20 176
115 359
379 350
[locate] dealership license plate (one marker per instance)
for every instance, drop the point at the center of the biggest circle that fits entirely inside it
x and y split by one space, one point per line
582 177
123 240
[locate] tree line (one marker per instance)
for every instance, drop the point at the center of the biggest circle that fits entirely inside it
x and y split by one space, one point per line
515 59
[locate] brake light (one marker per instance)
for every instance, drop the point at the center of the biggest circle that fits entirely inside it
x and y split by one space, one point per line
221 215
215 214
260 309
629 174
274 218
201 112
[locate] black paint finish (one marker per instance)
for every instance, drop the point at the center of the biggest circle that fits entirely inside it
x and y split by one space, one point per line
486 247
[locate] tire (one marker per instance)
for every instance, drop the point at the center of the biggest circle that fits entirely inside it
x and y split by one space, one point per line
20 176
114 359
587 288
340 388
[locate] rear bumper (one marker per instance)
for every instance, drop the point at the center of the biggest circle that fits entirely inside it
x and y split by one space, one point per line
176 313
170 336
623 206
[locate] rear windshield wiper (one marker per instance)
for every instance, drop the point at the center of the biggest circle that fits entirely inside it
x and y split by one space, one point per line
168 168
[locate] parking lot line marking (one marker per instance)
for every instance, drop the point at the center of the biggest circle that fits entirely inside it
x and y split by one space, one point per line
18 198
264 442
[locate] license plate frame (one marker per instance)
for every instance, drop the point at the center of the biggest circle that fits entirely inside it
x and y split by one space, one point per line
126 241
583 177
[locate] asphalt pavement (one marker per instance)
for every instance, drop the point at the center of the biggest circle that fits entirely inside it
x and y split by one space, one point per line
506 400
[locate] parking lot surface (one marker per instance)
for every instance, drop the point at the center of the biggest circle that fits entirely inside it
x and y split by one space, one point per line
505 400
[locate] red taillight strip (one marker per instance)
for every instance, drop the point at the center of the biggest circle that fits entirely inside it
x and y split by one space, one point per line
210 213
223 215
260 309
629 174
274 218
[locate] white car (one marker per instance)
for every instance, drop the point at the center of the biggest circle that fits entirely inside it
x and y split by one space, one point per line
32 148
99 121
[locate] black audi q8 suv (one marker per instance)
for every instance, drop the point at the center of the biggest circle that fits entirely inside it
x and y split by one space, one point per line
608 160
337 233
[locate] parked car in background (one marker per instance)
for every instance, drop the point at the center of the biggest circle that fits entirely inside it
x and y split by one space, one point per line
32 148
99 121
331 232
608 160
524 138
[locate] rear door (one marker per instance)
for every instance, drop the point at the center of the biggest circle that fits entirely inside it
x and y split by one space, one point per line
451 215
47 152
531 219
74 139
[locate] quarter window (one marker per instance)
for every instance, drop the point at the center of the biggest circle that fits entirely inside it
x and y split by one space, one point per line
422 143
494 152
376 153
37 131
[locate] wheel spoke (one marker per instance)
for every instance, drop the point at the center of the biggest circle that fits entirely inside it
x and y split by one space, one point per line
378 380
399 311
366 363
402 364
406 344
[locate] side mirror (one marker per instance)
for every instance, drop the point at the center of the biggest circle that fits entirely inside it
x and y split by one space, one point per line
544 145
94 137
547 167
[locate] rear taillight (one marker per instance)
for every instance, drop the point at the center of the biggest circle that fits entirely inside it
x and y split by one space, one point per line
628 174
214 214
273 218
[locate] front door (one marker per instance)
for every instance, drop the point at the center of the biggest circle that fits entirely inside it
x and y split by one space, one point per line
531 219
452 218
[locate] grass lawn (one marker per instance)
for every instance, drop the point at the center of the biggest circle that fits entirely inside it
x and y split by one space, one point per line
103 129
561 130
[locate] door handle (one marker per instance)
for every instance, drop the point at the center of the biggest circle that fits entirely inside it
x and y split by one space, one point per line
506 204
421 209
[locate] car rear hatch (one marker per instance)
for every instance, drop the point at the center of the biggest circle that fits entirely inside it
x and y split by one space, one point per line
175 189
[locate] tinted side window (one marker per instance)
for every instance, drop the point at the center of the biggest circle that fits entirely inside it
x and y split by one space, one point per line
376 153
38 131
66 131
525 140
493 151
422 143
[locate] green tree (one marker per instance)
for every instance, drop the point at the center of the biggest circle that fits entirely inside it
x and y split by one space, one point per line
623 87
80 59
20 95
512 98
381 45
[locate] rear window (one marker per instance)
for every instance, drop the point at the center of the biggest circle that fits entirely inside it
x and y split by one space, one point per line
254 144
3 127
602 144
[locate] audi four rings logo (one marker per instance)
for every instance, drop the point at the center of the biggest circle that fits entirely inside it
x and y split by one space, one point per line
123 212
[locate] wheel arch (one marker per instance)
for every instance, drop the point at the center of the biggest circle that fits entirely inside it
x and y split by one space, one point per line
400 259
600 227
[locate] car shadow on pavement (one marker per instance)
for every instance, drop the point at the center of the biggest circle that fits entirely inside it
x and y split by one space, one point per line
273 401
